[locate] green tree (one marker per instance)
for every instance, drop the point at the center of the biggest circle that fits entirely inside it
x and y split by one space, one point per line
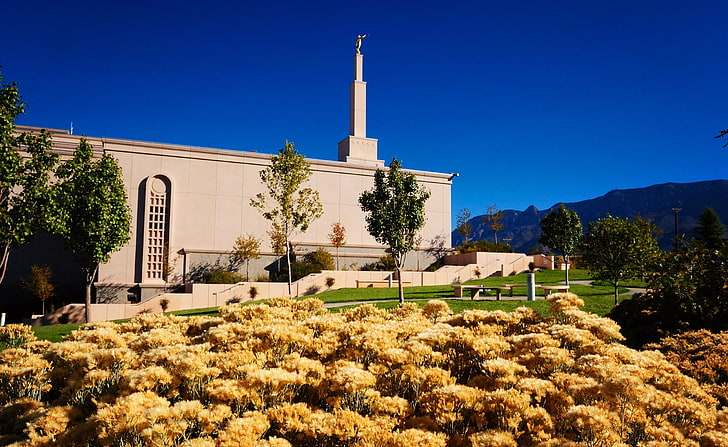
395 212
337 238
246 248
710 230
25 167
464 226
645 263
561 231
614 249
39 283
687 291
494 220
722 134
93 203
286 205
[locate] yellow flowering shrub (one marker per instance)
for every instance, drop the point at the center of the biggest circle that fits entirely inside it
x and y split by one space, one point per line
289 373
702 355
14 335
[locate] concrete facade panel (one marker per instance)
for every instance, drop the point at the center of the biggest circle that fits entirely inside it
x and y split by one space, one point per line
209 205
229 179
227 221
203 176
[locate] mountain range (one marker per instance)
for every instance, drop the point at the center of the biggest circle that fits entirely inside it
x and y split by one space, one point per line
522 228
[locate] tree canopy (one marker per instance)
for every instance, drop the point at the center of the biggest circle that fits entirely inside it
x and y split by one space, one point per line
39 283
561 231
494 220
92 201
25 167
615 249
337 238
722 134
464 226
395 212
685 292
287 205
710 230
246 248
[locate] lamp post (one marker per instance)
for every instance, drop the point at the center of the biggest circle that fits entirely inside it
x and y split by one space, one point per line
676 210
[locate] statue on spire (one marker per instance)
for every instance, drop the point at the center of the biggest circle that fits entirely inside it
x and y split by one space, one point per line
358 42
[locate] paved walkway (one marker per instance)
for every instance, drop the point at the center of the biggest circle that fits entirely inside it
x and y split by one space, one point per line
630 290
449 298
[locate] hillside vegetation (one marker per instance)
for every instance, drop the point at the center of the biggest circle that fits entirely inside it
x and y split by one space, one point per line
291 373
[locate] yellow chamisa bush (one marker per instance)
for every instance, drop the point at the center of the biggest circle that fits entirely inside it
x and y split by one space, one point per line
289 373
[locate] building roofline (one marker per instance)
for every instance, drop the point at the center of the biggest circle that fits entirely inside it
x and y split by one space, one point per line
67 142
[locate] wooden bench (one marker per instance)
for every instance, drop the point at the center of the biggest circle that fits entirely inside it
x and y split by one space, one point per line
380 283
475 290
547 290
510 287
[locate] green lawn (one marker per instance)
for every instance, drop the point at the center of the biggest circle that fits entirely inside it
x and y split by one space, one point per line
55 332
598 298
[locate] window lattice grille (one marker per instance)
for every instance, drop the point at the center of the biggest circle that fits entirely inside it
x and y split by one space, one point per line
156 230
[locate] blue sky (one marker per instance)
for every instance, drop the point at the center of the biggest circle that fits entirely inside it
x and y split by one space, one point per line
531 102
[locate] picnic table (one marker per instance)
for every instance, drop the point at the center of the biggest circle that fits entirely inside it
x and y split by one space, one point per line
547 290
475 290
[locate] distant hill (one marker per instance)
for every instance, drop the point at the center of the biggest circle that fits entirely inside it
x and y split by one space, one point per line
656 202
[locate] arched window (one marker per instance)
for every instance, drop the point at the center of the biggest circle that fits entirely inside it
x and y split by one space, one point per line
156 238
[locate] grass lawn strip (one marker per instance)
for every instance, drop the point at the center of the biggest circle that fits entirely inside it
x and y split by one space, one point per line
598 299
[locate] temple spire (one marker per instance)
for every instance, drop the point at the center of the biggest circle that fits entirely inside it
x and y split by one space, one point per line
357 148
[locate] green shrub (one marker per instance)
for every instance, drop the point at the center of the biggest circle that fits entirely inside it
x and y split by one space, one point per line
485 245
385 263
687 292
220 276
313 262
320 258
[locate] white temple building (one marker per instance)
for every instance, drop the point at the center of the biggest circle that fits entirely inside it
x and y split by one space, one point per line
194 202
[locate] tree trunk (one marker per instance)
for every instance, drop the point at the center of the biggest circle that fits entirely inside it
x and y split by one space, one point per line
288 260
398 262
4 262
90 275
399 286
616 293
87 306
566 261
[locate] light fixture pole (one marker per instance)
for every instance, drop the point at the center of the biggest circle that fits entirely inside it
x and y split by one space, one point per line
676 210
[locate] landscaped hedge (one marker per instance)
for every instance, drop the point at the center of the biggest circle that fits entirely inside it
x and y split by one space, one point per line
290 373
